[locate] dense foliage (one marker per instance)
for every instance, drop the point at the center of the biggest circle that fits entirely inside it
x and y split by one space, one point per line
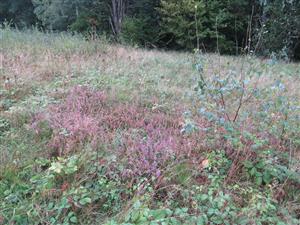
280 28
18 12
92 133
234 26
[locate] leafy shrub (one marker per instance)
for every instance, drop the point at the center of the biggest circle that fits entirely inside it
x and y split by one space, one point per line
82 24
279 31
133 31
248 121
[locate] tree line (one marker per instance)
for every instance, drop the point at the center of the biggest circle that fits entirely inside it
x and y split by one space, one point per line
263 27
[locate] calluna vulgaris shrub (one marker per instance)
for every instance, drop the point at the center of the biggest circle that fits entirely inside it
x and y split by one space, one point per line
73 122
147 140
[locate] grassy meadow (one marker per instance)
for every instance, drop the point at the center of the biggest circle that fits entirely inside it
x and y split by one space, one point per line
99 133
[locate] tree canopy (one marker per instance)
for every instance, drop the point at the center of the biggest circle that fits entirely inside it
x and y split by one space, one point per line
230 26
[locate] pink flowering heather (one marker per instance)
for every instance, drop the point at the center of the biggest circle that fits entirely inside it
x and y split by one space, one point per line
149 140
73 122
149 147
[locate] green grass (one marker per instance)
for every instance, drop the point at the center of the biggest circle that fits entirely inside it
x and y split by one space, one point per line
39 69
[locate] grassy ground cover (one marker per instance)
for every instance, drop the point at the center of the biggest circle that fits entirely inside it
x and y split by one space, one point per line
95 133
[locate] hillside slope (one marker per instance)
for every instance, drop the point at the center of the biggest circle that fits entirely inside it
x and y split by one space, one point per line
94 133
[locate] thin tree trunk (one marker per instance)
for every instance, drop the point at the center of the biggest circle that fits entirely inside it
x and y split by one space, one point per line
117 13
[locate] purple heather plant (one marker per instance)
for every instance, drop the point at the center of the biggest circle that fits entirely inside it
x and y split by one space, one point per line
149 139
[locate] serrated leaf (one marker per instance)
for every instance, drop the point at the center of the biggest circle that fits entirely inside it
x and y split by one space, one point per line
56 167
258 180
267 177
248 164
73 219
85 201
203 197
253 171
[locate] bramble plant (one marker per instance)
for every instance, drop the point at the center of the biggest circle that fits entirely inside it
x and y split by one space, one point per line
119 135
248 121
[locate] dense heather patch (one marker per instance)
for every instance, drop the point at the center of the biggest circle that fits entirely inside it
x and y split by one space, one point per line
146 139
73 122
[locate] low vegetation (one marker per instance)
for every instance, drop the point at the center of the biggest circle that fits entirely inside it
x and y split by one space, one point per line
93 133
